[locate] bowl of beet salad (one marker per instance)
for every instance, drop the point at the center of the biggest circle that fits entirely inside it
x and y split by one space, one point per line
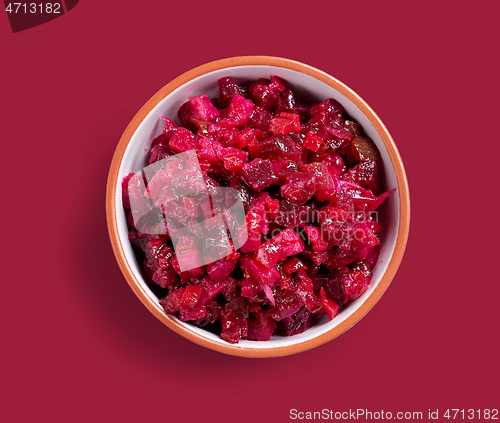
257 206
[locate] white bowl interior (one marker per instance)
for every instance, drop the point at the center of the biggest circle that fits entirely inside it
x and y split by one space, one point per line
135 158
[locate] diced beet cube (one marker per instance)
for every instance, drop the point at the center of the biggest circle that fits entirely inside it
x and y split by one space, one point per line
196 312
264 94
275 148
279 247
212 288
169 128
234 159
160 140
227 90
234 321
260 119
314 235
191 207
286 123
303 288
365 173
293 264
299 188
238 114
230 290
254 269
308 299
293 326
330 108
189 260
272 206
202 108
185 117
165 277
245 137
329 158
289 243
340 137
256 223
268 253
286 304
243 190
260 212
312 141
190 296
250 288
209 150
260 326
286 103
163 178
285 283
354 286
326 180
216 243
252 244
278 84
221 269
158 153
226 135
348 284
358 282
258 174
331 307
160 253
240 110
305 280
184 112
233 329
291 215
352 127
182 140
133 189
171 303
153 247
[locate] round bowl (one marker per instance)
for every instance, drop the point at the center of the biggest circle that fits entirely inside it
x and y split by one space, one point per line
308 82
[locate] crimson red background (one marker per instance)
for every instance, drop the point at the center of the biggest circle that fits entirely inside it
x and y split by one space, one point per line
79 346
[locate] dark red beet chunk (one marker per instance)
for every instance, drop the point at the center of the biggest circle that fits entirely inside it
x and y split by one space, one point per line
234 320
308 180
294 325
299 187
227 90
365 173
258 174
331 307
261 326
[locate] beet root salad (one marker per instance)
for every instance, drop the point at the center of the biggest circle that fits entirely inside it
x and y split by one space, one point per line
255 215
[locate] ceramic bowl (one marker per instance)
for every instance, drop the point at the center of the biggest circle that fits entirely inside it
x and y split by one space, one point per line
308 82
